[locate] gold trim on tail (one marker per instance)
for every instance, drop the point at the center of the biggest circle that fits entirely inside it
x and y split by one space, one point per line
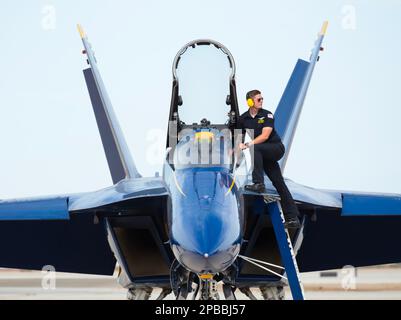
324 28
81 31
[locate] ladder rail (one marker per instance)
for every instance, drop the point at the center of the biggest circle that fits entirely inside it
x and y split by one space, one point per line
286 250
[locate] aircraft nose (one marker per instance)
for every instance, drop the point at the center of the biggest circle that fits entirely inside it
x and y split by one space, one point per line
206 263
205 223
207 244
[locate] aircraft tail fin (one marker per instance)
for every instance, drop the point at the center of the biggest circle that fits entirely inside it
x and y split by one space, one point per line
119 159
290 106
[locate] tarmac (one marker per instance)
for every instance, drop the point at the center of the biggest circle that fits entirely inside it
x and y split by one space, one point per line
373 283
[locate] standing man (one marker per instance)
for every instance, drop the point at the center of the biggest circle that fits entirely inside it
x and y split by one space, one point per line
267 151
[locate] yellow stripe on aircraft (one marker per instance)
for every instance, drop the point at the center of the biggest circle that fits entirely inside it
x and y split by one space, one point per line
178 185
232 185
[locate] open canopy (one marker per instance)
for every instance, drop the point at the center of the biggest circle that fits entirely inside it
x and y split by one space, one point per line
204 69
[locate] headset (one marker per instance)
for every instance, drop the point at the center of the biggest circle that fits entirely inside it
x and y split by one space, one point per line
249 99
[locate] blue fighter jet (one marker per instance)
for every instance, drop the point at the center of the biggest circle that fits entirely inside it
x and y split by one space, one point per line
195 227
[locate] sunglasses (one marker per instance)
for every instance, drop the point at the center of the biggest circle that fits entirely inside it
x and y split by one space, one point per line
259 100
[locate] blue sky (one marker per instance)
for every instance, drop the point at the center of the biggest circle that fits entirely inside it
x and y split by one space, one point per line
348 136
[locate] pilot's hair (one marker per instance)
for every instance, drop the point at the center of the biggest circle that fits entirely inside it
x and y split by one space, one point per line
252 93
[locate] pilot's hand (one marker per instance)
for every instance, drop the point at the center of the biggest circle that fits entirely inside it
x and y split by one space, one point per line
242 146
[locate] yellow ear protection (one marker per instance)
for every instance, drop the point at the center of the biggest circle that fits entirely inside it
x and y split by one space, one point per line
250 102
250 98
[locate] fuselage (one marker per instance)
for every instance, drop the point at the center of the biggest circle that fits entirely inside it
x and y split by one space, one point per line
205 216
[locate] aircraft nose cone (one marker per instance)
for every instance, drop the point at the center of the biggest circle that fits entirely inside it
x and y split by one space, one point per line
213 263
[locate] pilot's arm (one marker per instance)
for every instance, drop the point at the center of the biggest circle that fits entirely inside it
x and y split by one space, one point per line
266 132
268 126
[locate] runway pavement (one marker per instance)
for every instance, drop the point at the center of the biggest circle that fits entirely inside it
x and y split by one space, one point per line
362 283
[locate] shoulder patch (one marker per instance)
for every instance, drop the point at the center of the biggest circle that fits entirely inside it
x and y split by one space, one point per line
270 115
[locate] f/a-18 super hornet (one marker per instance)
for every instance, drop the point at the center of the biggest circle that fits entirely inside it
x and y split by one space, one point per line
195 227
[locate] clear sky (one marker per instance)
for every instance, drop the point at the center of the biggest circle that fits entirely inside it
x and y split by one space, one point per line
348 135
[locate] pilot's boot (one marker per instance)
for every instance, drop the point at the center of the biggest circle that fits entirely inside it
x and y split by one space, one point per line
256 187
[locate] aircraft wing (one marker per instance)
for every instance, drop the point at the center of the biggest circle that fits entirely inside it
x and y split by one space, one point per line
68 231
363 232
344 227
351 203
303 195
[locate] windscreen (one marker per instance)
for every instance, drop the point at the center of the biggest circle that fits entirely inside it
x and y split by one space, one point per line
207 148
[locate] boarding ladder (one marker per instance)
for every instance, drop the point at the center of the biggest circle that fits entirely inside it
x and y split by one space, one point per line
285 247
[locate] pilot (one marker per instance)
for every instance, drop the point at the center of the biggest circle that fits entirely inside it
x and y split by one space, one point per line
267 151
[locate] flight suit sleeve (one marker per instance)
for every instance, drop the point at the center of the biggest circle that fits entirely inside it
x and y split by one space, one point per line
269 120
